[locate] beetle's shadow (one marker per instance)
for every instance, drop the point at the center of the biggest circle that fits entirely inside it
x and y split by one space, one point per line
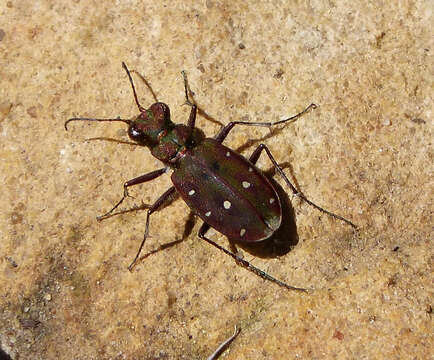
188 228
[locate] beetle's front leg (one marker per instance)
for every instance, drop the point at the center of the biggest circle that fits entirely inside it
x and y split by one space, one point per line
192 118
254 157
138 180
202 231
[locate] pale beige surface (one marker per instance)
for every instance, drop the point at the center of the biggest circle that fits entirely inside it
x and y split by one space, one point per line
365 153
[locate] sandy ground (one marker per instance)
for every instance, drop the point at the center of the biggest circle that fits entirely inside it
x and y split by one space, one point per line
364 153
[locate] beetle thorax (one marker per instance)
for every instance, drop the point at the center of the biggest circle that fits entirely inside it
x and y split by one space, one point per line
173 143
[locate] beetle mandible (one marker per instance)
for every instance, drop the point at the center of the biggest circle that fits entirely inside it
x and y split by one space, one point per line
227 191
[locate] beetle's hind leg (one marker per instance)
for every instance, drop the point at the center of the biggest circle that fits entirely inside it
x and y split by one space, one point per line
202 231
254 157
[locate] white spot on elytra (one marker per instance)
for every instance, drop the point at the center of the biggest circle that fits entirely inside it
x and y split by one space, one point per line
242 232
272 200
228 154
191 192
227 204
246 184
208 213
250 169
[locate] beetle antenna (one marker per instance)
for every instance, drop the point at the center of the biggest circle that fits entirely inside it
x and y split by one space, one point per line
92 119
141 108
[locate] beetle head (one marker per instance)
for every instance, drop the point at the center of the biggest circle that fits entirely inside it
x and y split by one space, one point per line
147 126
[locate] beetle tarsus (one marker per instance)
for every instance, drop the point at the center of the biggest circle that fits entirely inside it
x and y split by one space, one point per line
109 213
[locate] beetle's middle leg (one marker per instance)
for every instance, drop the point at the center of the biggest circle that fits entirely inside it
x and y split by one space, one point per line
155 206
202 231
221 135
254 157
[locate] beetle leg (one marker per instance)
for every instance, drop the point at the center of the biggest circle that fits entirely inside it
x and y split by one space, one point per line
186 89
138 180
225 130
254 157
192 118
142 206
160 201
224 345
202 231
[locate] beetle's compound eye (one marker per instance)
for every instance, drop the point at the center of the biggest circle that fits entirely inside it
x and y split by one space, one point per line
136 134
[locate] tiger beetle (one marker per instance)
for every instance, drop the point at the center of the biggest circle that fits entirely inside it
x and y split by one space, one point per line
227 191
